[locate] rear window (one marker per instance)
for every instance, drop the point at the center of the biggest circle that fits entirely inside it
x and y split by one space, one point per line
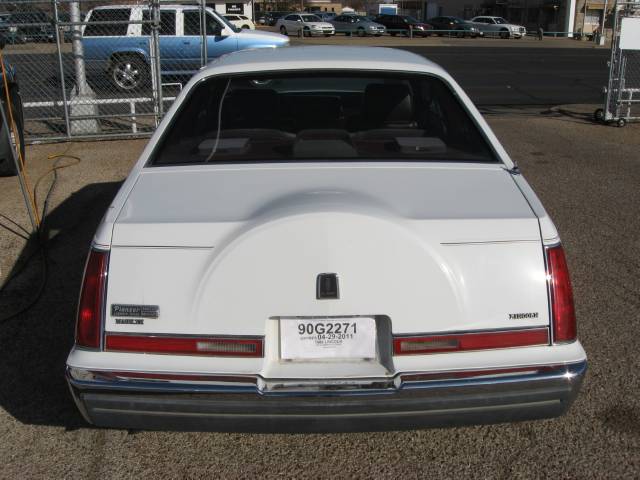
95 29
321 116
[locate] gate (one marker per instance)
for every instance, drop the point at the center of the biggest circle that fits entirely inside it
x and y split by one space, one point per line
622 102
92 69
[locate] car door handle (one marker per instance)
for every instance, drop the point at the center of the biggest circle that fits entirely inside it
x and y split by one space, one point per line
186 43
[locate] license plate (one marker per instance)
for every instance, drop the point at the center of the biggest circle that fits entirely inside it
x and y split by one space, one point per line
329 338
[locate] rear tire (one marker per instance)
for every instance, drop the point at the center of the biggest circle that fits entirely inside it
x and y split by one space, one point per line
7 165
129 73
283 30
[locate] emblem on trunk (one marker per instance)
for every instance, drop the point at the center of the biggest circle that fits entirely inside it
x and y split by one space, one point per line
327 286
139 311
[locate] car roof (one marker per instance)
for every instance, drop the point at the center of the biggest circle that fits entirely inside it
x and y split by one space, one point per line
322 57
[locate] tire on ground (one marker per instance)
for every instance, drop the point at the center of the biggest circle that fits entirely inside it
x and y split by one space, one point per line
7 164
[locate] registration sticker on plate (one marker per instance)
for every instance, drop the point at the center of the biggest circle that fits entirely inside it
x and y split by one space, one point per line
328 338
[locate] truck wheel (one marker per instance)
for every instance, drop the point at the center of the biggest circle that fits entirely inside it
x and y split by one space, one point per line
7 164
129 72
283 30
361 32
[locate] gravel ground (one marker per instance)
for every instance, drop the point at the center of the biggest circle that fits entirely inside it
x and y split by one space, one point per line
586 175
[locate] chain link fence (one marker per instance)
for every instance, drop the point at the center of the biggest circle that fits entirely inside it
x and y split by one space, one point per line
622 101
103 68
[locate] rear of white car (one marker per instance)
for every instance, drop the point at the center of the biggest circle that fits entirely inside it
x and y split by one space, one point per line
360 254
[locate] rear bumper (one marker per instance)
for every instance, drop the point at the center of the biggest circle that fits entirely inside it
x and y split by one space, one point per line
130 400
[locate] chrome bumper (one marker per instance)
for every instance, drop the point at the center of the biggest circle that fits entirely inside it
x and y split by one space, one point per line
249 403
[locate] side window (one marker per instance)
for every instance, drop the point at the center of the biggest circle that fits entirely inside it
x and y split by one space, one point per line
167 22
213 27
95 29
291 18
191 19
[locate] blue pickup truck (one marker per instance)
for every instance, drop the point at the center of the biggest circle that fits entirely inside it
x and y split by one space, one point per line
116 41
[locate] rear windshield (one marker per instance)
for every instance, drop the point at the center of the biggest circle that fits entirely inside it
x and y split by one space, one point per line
321 116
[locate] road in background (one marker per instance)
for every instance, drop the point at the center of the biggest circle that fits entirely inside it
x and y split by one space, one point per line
518 76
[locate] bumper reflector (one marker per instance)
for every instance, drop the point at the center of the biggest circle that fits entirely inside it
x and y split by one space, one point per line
470 341
214 346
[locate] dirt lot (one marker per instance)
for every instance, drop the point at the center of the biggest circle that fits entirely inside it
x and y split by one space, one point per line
587 176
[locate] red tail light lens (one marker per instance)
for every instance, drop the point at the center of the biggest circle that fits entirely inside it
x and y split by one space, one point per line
562 310
91 300
214 346
470 341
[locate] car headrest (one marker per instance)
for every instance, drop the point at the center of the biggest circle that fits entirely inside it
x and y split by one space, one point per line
248 108
311 111
387 104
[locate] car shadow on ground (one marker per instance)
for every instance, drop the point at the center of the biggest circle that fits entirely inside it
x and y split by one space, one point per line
34 345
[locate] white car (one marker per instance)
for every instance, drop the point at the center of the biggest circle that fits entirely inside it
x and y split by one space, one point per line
306 24
498 27
359 253
241 21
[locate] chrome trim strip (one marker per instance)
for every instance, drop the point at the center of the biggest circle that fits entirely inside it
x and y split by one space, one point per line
471 332
184 335
99 380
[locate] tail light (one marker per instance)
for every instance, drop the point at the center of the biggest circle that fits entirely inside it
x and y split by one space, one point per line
90 308
563 316
186 345
459 342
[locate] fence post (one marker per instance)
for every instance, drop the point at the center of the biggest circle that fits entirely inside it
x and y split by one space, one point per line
204 53
65 105
156 71
81 101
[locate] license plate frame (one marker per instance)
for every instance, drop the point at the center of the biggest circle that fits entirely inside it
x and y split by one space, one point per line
328 339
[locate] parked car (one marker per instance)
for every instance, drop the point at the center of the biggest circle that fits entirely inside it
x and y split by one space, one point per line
359 253
272 17
498 26
15 120
29 27
305 23
325 16
403 24
358 25
121 50
454 25
241 21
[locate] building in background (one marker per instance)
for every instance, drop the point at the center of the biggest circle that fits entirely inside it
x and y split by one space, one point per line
551 15
589 15
242 7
